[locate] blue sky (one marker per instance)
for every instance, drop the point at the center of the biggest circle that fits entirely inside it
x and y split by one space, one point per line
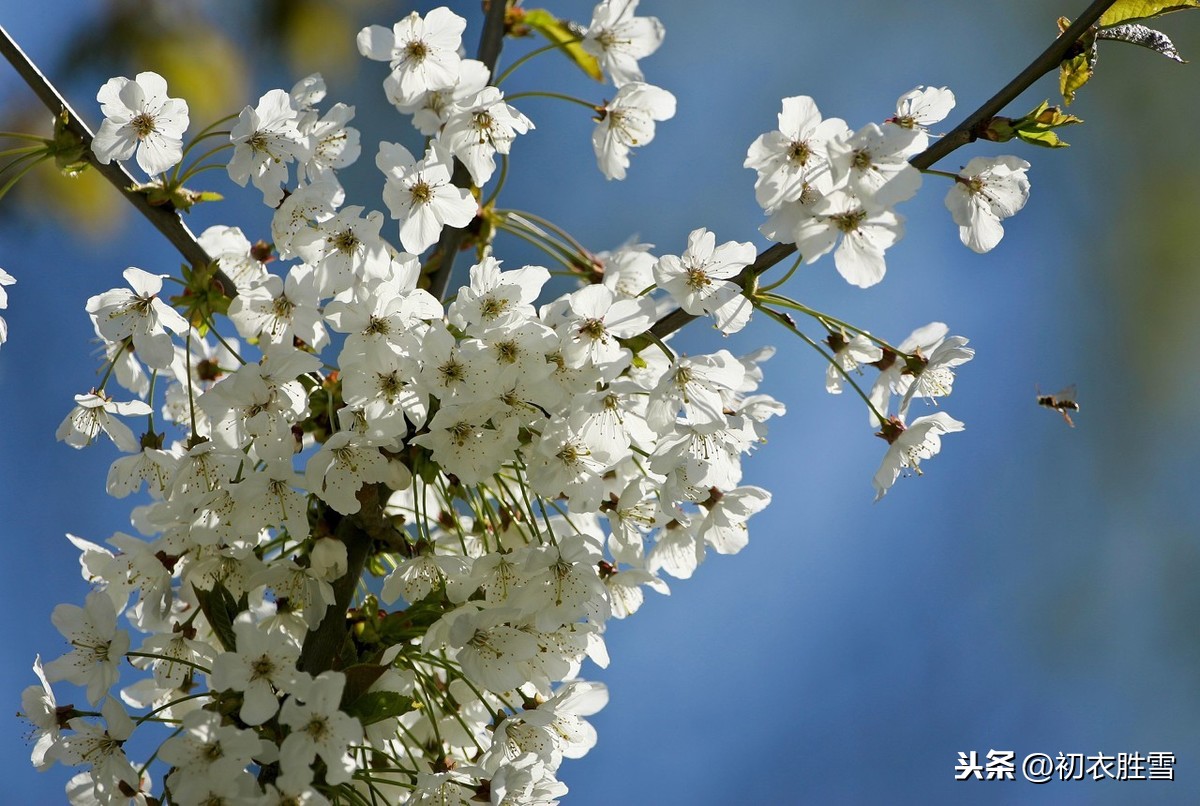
1034 590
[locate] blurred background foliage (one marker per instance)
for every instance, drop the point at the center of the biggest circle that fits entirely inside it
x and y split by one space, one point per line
210 53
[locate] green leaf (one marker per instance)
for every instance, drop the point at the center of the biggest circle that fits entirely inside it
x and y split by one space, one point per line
1126 10
359 678
411 623
175 197
559 32
1146 37
70 154
376 706
1045 139
1073 74
220 608
1075 70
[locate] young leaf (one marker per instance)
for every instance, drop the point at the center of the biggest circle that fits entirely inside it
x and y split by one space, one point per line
1146 37
376 706
359 678
559 32
220 608
70 153
1036 128
1126 10
1075 70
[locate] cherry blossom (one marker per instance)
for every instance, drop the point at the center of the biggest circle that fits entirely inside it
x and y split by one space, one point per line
985 192
421 195
139 117
628 121
619 39
422 52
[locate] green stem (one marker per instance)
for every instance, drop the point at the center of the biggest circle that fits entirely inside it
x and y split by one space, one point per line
204 134
498 80
192 169
491 199
787 276
503 226
825 319
556 95
23 150
25 136
169 659
778 317
36 160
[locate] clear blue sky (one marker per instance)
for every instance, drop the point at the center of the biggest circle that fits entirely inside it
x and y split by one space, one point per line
1033 591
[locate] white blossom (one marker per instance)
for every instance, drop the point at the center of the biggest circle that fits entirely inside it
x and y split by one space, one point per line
139 117
987 190
627 121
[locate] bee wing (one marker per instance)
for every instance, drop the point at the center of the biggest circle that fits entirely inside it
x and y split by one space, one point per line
1066 395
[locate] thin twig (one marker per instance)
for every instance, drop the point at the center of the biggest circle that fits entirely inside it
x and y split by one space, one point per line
164 220
490 42
965 132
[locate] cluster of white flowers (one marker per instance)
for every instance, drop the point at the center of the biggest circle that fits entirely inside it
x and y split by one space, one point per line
823 185
507 476
506 473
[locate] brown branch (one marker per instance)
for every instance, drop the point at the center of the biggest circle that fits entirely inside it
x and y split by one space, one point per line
490 42
359 532
164 220
960 135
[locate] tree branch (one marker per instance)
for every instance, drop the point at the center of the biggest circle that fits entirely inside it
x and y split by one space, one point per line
164 220
490 42
1048 61
960 135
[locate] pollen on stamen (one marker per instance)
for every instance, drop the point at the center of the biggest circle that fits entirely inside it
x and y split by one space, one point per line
143 125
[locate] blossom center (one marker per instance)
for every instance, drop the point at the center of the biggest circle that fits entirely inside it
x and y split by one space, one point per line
861 160
262 668
377 326
282 308
698 279
491 307
451 372
849 221
317 728
460 433
799 152
416 51
592 328
421 192
508 352
346 242
143 125
390 385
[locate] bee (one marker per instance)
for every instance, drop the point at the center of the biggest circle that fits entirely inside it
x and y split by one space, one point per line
1062 402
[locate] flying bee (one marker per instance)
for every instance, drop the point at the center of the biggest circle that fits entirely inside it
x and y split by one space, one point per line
1062 402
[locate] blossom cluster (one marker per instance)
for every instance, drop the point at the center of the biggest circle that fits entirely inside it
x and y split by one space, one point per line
501 477
824 185
383 532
